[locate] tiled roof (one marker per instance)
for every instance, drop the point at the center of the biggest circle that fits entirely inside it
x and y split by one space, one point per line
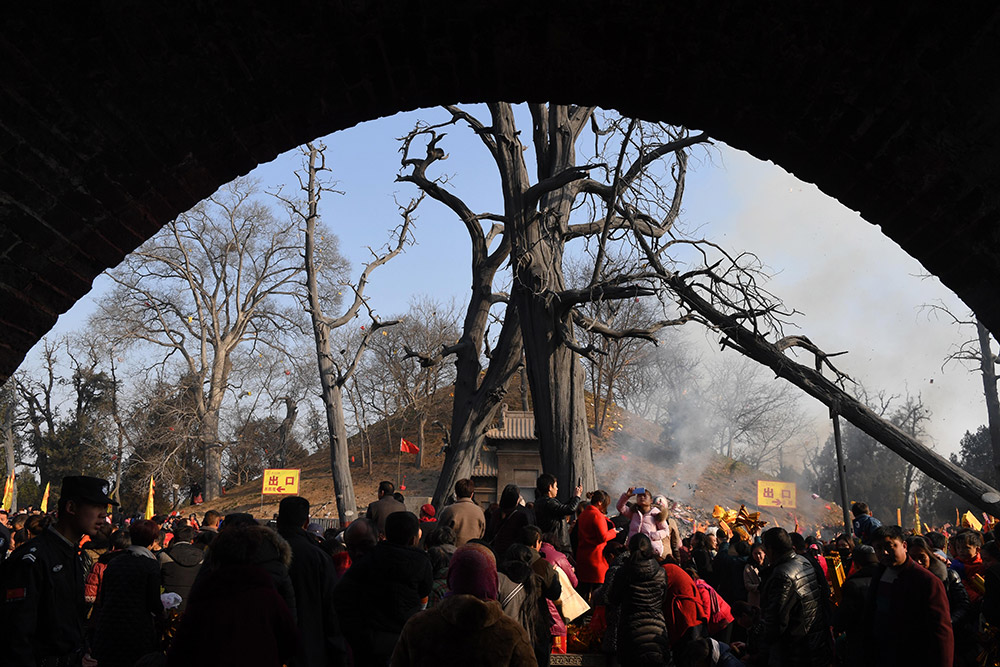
486 465
516 426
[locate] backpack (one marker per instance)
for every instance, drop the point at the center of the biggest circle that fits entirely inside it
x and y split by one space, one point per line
718 612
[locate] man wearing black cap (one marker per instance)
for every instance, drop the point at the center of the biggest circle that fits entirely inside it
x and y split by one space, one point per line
44 609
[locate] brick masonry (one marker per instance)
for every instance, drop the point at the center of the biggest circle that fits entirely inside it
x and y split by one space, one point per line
117 116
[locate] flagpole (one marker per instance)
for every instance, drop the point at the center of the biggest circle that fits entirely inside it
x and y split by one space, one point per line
399 462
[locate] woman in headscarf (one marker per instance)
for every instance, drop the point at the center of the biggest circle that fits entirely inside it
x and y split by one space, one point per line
468 626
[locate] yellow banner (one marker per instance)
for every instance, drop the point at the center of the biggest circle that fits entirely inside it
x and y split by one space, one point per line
775 494
279 482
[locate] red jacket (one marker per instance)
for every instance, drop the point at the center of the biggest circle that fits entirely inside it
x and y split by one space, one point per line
593 531
682 606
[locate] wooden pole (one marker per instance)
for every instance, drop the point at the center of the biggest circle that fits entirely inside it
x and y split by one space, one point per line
841 471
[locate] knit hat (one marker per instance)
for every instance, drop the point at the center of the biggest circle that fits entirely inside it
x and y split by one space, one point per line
427 512
473 571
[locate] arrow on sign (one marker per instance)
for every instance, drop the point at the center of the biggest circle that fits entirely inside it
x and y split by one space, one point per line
280 489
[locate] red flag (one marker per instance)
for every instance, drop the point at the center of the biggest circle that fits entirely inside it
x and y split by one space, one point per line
407 447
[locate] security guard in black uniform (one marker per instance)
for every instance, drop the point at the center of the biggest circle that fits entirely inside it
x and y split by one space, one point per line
43 609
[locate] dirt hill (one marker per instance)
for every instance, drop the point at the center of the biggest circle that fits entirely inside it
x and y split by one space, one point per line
628 453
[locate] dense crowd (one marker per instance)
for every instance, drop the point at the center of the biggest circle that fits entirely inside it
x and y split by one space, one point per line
511 585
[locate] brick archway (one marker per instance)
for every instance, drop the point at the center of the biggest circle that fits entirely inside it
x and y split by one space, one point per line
115 117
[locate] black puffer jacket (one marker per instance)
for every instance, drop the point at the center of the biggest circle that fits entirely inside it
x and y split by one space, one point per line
795 614
642 631
179 566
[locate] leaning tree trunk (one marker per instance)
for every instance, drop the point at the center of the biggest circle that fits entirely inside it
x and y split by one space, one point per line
812 381
990 392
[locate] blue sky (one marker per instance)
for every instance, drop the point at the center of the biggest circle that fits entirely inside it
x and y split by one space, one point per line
856 289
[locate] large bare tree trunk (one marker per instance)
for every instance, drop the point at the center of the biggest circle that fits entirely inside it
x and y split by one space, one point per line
330 378
209 435
557 381
340 462
990 392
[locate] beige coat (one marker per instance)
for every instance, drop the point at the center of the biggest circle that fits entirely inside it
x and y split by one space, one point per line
466 518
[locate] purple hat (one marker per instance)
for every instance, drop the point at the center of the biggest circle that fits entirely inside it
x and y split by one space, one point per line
473 571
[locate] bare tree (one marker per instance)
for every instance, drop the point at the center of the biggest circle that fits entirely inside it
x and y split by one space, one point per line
427 325
208 284
477 395
978 352
754 417
333 372
536 226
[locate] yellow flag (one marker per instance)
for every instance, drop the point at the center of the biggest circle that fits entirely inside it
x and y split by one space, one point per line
45 498
7 500
916 514
8 492
149 500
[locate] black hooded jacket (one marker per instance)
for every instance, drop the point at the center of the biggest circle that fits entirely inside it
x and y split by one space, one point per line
179 565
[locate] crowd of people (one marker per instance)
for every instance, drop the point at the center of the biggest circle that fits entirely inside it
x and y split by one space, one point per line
509 585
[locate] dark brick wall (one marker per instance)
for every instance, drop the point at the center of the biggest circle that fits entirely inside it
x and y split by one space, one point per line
116 116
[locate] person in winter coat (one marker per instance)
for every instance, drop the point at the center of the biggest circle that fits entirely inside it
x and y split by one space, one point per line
848 617
864 524
179 564
672 542
643 518
128 605
714 608
271 553
990 554
682 607
505 522
919 550
793 608
594 530
464 516
313 578
386 504
468 627
92 586
383 590
639 588
908 605
556 558
550 513
235 598
521 565
616 556
729 566
752 572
